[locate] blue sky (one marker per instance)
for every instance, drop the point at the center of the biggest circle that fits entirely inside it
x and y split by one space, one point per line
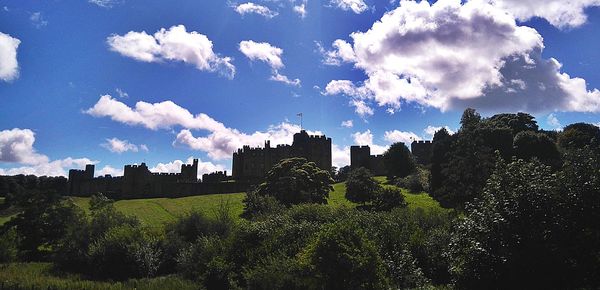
127 81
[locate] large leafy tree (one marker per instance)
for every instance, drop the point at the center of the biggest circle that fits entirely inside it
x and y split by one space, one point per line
398 160
528 144
295 180
506 238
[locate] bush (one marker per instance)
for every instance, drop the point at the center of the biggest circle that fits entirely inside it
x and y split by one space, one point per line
412 183
388 198
361 187
258 205
341 257
8 246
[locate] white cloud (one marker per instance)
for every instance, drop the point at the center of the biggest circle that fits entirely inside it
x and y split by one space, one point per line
553 121
104 3
362 109
175 167
119 146
560 13
450 55
430 131
173 44
357 6
16 145
52 168
248 8
347 124
163 115
342 52
262 51
399 136
366 138
284 79
301 10
38 20
219 143
340 157
107 169
9 66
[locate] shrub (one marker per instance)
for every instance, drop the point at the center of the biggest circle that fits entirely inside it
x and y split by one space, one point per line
8 246
341 257
412 183
258 205
388 198
361 187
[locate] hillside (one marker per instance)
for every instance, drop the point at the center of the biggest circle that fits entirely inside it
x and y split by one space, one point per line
155 212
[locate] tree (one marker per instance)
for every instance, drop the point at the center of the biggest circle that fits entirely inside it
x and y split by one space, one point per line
343 258
361 187
528 144
398 160
388 198
516 122
295 180
342 173
578 135
506 239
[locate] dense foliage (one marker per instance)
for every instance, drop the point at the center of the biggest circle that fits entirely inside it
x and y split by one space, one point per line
399 161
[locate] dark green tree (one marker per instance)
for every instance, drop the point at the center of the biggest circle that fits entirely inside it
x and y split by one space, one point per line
342 173
295 180
578 135
361 187
528 144
388 198
398 161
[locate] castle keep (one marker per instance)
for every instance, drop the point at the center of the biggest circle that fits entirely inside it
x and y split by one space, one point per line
253 163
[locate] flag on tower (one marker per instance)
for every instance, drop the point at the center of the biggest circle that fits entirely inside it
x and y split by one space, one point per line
299 114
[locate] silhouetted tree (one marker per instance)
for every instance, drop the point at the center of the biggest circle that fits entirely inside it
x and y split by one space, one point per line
398 160
528 144
342 174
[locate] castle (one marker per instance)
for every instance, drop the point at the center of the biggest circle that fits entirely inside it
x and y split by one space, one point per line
360 156
138 181
250 164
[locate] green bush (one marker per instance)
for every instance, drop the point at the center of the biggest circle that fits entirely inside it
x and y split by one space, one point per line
388 198
361 187
341 257
8 246
258 205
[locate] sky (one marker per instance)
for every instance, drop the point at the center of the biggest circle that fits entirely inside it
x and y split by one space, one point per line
115 82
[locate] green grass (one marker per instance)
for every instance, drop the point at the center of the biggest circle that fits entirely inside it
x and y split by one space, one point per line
41 276
5 214
155 212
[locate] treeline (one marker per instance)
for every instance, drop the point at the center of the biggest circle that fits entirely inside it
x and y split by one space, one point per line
16 185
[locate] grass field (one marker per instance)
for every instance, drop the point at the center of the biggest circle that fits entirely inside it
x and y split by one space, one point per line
155 212
29 276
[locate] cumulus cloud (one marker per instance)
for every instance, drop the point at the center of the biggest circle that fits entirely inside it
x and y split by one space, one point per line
163 115
173 44
175 167
16 145
252 8
52 168
109 170
9 66
219 143
301 10
342 52
265 52
119 146
449 55
347 124
560 13
340 156
366 138
400 136
356 6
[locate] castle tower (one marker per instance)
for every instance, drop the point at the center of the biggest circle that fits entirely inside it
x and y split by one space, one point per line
359 156
189 173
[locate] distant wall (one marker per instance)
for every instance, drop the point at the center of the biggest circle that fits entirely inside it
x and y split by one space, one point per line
422 151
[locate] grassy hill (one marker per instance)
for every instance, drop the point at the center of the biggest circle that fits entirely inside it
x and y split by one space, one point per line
155 212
